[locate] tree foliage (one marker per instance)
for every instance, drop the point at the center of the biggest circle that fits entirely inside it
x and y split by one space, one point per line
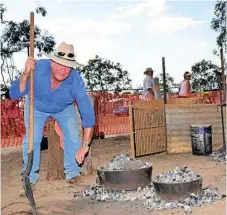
218 23
204 76
104 75
170 82
15 38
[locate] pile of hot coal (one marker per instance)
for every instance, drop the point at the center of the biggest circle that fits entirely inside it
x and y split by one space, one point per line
219 155
124 162
206 196
177 175
147 198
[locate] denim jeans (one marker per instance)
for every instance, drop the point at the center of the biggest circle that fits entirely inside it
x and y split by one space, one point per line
68 122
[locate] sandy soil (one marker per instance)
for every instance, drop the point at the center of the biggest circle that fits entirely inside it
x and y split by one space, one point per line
56 197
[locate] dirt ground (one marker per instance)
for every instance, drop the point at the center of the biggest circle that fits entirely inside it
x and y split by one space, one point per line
56 197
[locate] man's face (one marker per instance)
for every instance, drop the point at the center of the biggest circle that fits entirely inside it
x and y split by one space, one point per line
150 73
60 72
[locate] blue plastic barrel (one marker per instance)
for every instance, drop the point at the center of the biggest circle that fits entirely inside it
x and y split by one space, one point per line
201 139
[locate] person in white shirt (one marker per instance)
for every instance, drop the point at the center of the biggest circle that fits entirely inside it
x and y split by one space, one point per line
185 86
148 83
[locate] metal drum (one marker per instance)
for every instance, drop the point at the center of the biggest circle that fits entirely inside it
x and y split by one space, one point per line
125 179
201 138
178 191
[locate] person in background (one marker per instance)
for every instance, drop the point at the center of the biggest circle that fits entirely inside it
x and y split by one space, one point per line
185 86
148 83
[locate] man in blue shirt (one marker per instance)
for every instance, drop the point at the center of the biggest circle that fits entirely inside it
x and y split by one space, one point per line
56 86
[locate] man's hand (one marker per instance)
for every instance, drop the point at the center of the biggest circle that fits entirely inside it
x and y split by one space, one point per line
80 155
29 65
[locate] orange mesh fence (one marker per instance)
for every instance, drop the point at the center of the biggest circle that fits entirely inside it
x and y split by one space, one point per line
111 110
12 122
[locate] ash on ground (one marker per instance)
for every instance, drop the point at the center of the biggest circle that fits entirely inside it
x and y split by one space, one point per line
177 175
219 155
147 198
124 162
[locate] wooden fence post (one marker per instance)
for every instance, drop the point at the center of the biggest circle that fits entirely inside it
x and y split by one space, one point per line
55 167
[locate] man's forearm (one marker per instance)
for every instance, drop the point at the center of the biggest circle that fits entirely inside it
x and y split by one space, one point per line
23 82
88 133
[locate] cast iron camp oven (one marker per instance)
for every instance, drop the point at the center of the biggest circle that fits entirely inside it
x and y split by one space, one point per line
125 179
178 191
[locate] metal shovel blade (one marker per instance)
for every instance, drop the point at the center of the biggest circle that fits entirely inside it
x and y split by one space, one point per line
27 183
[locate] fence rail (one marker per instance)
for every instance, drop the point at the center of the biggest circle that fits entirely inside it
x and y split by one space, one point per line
111 110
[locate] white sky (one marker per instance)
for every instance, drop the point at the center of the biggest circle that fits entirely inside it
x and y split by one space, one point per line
137 34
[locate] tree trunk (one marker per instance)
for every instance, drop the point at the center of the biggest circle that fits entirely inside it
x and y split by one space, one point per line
55 165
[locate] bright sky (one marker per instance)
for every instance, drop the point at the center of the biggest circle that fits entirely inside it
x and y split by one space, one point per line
137 34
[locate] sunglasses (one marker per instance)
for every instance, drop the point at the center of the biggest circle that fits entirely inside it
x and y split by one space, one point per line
62 54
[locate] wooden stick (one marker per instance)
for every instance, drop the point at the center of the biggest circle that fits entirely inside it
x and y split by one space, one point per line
132 130
31 91
164 79
223 74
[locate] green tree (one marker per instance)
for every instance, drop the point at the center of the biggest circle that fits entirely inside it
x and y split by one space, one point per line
204 76
170 82
15 38
104 75
218 24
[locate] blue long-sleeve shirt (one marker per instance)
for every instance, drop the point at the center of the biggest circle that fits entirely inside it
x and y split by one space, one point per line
48 101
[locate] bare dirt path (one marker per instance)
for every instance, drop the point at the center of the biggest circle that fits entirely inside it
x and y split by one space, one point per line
56 197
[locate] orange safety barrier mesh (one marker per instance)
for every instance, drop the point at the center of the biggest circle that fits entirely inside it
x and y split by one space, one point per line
12 123
111 114
112 109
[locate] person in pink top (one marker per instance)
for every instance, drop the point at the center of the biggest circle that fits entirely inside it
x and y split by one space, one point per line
185 86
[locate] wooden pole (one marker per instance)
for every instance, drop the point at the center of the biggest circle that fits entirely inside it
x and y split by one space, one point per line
222 113
26 173
55 168
223 74
164 78
31 91
132 130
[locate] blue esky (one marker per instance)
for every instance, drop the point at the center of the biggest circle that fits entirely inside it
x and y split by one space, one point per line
136 34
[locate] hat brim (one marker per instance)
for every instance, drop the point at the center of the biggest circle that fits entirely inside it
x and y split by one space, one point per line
64 62
146 71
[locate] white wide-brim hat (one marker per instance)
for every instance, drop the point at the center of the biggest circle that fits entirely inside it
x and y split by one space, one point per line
64 55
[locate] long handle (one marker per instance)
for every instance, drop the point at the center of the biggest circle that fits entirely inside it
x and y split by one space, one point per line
31 91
